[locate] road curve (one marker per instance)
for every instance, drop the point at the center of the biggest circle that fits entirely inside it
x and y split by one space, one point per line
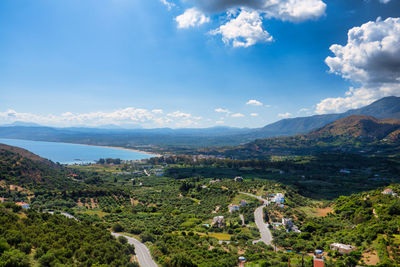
265 233
142 252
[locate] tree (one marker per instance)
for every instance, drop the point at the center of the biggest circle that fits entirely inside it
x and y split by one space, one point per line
117 228
14 258
122 239
180 260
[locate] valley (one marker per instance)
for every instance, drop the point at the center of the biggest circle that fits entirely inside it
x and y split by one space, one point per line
194 212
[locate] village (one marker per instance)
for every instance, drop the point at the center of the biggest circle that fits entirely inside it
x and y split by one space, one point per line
277 200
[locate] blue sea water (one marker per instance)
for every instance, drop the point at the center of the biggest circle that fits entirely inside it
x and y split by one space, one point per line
73 153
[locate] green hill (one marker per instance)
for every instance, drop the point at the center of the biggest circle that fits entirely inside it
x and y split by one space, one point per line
29 238
369 221
23 168
353 134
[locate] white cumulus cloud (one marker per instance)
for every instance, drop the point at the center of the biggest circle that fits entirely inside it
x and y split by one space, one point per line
254 102
168 4
237 115
222 110
287 10
124 117
244 18
191 17
254 114
284 115
371 60
157 111
243 31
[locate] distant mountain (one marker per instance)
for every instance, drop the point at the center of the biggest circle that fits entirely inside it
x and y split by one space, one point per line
360 127
173 140
353 134
385 108
21 123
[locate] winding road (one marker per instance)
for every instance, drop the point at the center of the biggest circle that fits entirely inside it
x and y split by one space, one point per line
142 252
265 233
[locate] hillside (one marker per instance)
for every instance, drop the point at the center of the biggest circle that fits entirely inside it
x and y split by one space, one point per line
354 134
27 154
385 108
363 127
19 167
29 238
368 221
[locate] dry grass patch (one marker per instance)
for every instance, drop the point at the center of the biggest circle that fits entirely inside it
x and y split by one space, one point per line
370 257
322 212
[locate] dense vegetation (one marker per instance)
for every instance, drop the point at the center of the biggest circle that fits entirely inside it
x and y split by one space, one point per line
169 203
21 168
370 221
30 238
324 176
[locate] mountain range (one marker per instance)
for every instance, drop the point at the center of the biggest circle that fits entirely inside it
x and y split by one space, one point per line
352 134
385 108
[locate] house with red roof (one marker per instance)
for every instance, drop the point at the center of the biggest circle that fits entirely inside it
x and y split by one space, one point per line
23 205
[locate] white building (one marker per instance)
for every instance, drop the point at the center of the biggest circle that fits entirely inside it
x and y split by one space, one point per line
279 198
342 248
389 191
233 208
219 221
287 222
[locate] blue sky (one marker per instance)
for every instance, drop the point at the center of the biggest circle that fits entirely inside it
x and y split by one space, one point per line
133 63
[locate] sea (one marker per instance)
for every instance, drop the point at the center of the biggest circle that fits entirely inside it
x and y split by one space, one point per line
66 153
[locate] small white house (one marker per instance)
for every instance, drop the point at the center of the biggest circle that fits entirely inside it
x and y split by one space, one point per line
233 208
342 248
218 221
238 179
287 222
279 198
389 191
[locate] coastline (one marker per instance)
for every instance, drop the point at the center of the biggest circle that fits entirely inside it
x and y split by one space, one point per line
124 148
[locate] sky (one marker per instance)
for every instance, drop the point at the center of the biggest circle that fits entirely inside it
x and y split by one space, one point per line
193 63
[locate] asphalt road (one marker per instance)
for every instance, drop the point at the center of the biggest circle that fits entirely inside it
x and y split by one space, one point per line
266 235
142 252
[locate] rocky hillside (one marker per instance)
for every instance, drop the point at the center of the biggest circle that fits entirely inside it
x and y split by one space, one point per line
362 127
353 134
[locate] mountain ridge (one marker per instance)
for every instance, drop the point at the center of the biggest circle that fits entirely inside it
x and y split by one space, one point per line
166 139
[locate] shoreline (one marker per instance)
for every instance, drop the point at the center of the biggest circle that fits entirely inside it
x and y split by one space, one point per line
124 148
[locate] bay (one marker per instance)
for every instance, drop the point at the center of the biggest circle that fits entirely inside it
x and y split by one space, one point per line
66 153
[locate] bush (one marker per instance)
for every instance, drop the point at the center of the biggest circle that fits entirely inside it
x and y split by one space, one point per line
122 239
14 258
117 228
